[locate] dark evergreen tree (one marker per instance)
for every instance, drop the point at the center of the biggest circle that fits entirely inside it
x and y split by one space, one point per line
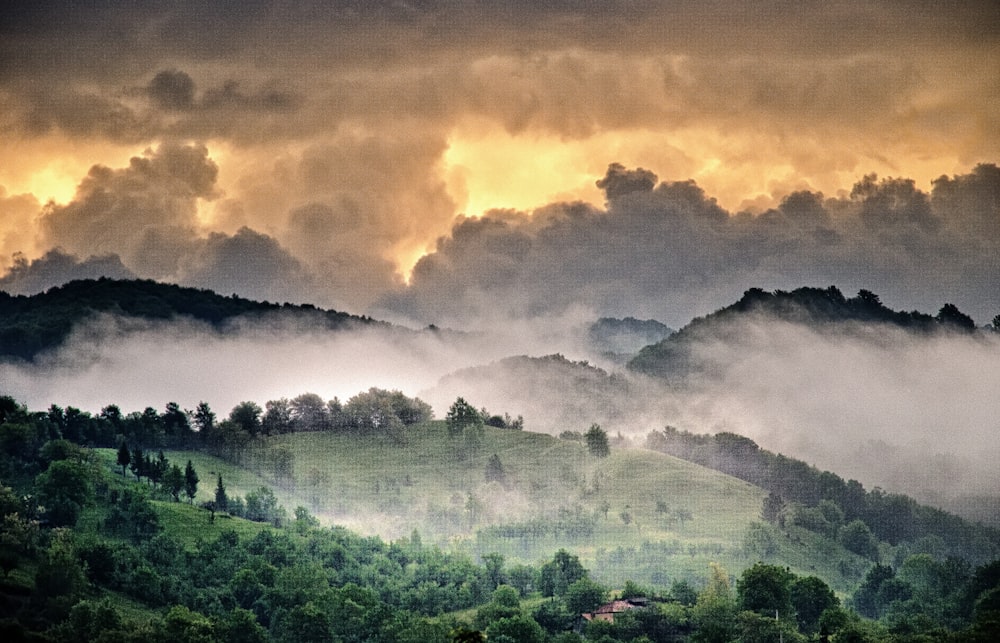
190 481
124 457
221 500
137 463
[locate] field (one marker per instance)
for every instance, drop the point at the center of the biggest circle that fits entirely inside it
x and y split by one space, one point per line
634 515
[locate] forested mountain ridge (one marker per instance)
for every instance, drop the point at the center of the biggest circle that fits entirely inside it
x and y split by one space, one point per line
32 324
821 308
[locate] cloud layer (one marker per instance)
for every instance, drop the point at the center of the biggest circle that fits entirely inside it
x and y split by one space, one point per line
332 145
667 250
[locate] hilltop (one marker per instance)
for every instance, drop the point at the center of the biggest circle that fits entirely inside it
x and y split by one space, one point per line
826 309
32 324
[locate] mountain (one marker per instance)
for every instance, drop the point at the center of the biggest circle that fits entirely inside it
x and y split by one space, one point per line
32 324
820 308
620 339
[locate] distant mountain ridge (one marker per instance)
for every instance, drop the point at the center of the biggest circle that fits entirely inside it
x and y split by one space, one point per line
816 307
623 338
32 324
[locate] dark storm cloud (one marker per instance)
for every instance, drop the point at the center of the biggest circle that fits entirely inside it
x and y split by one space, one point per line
146 214
55 268
670 250
172 89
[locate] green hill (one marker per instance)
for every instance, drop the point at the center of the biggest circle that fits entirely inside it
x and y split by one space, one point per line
636 514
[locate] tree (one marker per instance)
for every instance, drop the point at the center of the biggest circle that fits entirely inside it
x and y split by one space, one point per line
63 489
461 416
597 441
204 418
246 415
520 628
277 417
559 573
494 469
173 481
765 589
221 500
714 613
952 316
773 508
856 537
810 598
176 423
157 469
124 457
310 413
584 595
505 602
190 481
137 463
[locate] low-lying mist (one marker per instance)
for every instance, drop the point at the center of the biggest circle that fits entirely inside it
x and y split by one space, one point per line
912 413
136 363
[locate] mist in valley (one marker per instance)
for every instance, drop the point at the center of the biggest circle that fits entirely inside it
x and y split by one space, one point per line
911 413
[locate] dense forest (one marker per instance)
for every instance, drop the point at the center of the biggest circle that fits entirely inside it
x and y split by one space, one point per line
31 325
102 540
819 308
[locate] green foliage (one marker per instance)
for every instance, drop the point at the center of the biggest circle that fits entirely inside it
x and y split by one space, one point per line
554 616
584 595
597 441
515 629
132 515
462 416
765 589
247 417
190 481
124 457
714 613
856 537
811 597
559 573
760 541
504 603
221 499
173 481
63 489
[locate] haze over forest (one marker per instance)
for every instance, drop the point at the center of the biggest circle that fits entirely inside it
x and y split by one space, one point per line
515 173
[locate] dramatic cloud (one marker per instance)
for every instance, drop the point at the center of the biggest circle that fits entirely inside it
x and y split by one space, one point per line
379 123
670 251
55 268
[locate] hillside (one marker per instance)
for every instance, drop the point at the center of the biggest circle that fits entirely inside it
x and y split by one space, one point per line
821 308
636 515
102 544
30 325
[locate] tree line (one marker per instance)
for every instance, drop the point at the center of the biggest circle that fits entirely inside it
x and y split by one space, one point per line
824 502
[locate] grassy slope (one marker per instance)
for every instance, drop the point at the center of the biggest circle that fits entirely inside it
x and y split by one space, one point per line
375 487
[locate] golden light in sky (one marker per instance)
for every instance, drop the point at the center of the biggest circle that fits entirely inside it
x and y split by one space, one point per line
335 146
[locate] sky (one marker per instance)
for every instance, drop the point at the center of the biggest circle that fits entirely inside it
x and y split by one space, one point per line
452 162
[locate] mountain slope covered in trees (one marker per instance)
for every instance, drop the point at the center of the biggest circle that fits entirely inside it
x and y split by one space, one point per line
30 325
819 308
